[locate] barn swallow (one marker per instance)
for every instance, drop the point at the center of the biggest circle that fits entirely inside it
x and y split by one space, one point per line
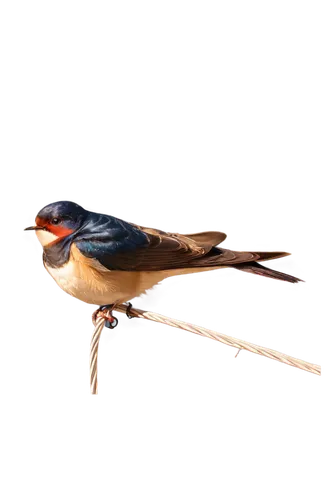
103 260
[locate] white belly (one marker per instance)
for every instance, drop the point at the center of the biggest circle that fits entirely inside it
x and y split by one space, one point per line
118 287
94 287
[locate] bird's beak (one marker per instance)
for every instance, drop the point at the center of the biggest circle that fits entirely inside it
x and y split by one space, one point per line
33 228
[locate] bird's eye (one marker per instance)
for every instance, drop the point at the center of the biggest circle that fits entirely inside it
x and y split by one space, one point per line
55 221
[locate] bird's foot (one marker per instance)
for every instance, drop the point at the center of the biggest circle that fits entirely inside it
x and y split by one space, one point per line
106 313
128 310
102 312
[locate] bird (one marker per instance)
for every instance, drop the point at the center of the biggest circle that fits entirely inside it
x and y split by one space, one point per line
106 261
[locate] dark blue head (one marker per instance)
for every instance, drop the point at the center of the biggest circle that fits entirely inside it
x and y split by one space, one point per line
61 217
55 226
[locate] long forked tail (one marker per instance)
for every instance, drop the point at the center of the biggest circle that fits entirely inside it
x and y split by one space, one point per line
255 268
244 261
267 271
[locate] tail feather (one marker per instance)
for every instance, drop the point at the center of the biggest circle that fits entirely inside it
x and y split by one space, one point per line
255 268
268 255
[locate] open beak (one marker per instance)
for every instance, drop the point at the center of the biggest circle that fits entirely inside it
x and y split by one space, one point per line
34 228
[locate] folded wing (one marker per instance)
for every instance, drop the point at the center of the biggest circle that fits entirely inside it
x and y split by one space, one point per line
118 245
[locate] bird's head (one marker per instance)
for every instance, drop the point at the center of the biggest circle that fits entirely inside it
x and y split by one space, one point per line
58 220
